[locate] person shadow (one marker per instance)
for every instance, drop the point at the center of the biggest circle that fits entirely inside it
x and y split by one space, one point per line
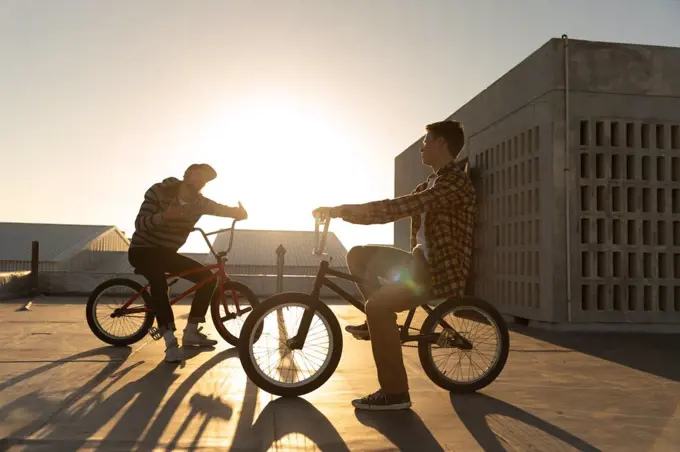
403 428
499 426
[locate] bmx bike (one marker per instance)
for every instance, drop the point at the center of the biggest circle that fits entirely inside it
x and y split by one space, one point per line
318 339
134 317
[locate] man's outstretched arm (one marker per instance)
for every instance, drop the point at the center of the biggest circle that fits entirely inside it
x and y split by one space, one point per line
211 207
446 191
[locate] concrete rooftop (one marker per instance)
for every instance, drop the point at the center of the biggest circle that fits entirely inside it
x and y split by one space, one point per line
62 389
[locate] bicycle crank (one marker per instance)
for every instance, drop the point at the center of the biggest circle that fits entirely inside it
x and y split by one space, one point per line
449 340
233 315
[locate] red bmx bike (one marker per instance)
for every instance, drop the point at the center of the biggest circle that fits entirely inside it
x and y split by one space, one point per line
118 310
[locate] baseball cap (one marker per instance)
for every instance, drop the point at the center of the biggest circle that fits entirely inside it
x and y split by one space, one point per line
203 168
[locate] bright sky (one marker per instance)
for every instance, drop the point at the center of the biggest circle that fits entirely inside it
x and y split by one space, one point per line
295 103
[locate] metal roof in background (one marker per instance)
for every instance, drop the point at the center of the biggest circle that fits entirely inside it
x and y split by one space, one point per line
258 247
55 239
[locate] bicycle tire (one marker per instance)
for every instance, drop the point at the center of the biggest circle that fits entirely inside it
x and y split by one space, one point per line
215 308
246 343
93 324
425 355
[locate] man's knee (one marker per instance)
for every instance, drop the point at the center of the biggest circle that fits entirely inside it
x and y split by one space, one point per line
356 258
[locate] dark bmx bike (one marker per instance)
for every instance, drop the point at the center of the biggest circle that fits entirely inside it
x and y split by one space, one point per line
288 360
118 310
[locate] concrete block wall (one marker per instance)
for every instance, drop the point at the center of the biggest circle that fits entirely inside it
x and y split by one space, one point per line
512 254
627 265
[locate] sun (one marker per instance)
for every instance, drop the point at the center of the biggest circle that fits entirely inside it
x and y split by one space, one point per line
281 158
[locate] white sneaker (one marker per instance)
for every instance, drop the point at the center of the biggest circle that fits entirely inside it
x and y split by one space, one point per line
193 336
172 353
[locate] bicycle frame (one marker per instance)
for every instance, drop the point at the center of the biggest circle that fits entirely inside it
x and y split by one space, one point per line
221 275
321 281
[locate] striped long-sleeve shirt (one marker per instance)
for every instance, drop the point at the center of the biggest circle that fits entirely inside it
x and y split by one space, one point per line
153 230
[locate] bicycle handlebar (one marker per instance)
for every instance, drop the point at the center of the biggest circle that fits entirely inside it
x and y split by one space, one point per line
231 235
320 244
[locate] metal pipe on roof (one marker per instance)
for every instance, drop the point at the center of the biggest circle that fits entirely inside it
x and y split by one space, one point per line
567 209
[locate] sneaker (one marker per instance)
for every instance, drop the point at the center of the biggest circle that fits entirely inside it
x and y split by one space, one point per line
359 331
172 353
195 337
379 401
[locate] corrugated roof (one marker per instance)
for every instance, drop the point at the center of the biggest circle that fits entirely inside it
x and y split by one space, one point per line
55 239
258 247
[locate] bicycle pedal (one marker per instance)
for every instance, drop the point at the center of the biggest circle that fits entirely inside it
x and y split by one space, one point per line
155 333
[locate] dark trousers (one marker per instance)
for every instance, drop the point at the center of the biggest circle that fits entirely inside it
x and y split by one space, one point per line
153 263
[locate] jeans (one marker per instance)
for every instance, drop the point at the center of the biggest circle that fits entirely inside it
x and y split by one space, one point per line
408 287
153 263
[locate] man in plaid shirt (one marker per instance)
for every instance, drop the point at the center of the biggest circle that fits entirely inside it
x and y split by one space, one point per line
442 211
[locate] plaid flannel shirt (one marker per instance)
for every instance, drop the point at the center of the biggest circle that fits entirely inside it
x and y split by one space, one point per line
449 225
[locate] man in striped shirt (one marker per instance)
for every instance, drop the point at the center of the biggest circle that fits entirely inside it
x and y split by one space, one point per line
167 216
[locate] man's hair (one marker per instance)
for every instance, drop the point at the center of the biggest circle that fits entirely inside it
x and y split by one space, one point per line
451 131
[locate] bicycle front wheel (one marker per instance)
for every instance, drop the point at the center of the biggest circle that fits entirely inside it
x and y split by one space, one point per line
229 320
472 345
267 351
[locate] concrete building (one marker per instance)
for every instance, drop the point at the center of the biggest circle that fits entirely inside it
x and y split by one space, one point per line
577 153
62 247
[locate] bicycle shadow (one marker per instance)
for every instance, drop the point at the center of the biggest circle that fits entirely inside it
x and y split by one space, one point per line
297 425
496 424
91 408
116 357
288 419
205 406
404 429
35 401
73 422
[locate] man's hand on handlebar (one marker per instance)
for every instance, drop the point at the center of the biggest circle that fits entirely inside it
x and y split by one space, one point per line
336 212
324 213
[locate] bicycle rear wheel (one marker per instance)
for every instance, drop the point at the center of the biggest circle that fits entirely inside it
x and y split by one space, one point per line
484 329
108 322
269 360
